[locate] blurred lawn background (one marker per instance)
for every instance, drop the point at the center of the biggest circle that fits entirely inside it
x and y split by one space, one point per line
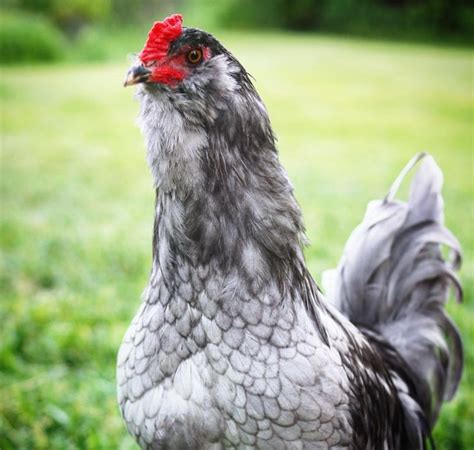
352 98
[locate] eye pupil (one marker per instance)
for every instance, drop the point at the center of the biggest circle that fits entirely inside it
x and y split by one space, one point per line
194 56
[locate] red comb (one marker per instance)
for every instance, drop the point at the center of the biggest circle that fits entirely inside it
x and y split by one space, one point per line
160 37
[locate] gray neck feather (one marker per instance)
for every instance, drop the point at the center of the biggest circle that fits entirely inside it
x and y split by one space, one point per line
219 182
223 199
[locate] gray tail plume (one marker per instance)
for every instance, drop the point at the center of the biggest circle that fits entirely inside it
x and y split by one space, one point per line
394 279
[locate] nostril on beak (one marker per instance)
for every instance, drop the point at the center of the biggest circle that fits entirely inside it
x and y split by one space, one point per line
137 74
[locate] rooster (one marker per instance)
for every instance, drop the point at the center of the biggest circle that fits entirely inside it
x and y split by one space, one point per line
234 345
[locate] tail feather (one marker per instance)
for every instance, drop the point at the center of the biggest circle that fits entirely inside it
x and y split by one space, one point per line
394 279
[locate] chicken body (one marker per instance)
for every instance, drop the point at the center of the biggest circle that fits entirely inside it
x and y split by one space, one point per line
234 346
212 363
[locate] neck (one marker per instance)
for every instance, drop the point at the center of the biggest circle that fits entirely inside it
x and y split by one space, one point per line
224 203
222 194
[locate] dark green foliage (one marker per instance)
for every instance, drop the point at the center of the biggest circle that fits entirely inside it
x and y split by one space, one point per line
72 15
81 30
69 15
88 29
28 38
399 18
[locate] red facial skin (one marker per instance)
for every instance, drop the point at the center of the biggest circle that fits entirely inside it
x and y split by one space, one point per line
173 70
168 70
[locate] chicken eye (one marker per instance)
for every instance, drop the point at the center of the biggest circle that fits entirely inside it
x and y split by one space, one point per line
194 56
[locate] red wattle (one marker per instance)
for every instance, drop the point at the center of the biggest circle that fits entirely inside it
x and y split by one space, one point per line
167 75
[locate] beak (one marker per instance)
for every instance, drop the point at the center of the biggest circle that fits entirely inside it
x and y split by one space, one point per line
137 74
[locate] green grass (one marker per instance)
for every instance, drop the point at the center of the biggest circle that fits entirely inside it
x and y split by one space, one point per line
77 207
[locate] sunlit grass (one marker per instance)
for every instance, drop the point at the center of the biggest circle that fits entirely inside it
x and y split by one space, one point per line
77 207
